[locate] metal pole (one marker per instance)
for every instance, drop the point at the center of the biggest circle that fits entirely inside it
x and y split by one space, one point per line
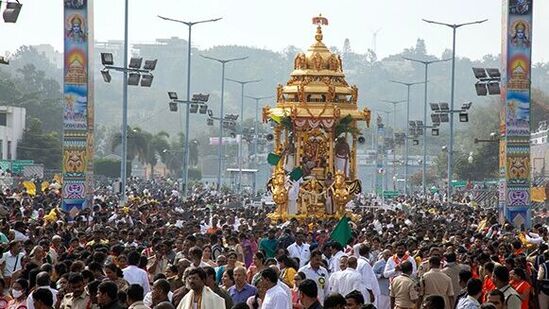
222 116
185 175
451 144
423 174
124 158
239 186
406 142
256 137
394 147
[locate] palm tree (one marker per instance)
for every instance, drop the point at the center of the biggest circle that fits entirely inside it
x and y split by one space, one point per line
137 144
155 148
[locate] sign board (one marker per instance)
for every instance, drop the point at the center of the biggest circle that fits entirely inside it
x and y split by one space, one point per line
391 194
15 166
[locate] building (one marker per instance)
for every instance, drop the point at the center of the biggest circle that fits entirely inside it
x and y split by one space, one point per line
12 126
539 149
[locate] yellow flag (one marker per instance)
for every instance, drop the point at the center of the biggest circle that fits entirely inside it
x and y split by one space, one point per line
45 185
58 178
30 186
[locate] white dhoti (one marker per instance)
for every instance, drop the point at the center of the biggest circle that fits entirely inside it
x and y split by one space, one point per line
293 194
342 164
290 164
383 302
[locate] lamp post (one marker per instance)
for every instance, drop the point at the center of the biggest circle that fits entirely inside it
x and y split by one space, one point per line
408 85
452 92
426 63
189 25
394 103
256 129
220 145
133 69
242 84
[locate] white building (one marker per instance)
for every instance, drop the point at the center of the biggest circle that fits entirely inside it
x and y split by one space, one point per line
12 126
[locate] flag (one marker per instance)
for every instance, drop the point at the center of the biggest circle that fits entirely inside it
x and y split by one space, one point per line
273 158
30 186
296 174
342 231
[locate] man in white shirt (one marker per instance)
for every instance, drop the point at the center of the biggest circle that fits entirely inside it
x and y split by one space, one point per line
275 297
19 232
300 250
134 274
11 262
337 253
42 282
392 268
317 273
367 273
347 279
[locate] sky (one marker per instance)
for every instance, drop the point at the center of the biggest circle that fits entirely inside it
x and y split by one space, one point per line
276 24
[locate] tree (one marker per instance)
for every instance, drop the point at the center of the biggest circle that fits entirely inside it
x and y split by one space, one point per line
137 144
43 148
484 165
157 147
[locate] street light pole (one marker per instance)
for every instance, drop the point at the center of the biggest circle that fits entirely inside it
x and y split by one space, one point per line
189 24
123 160
408 85
426 63
242 84
256 129
220 144
394 103
452 92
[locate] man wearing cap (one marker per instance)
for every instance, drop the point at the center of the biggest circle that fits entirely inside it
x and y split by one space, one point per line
11 262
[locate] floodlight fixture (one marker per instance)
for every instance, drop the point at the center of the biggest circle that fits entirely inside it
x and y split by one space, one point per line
463 117
146 80
172 95
210 113
193 108
173 107
416 142
435 132
150 65
106 75
444 118
494 73
203 109
480 73
444 107
493 88
210 122
412 123
466 106
4 60
435 107
435 118
199 97
133 79
107 59
481 89
11 13
135 63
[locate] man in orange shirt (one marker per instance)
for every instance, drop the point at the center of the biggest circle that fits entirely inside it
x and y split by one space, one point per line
488 285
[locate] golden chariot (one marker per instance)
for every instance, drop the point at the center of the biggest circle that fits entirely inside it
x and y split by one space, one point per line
315 136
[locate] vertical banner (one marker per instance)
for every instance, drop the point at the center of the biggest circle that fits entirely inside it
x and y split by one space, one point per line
78 106
514 195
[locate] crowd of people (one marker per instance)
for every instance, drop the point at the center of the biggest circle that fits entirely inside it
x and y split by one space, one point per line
162 251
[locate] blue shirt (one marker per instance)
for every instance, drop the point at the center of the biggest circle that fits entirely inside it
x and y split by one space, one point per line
242 296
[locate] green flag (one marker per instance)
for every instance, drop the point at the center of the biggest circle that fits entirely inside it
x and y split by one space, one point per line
296 174
273 158
342 231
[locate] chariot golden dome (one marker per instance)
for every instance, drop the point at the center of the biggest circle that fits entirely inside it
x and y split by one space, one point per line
318 81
